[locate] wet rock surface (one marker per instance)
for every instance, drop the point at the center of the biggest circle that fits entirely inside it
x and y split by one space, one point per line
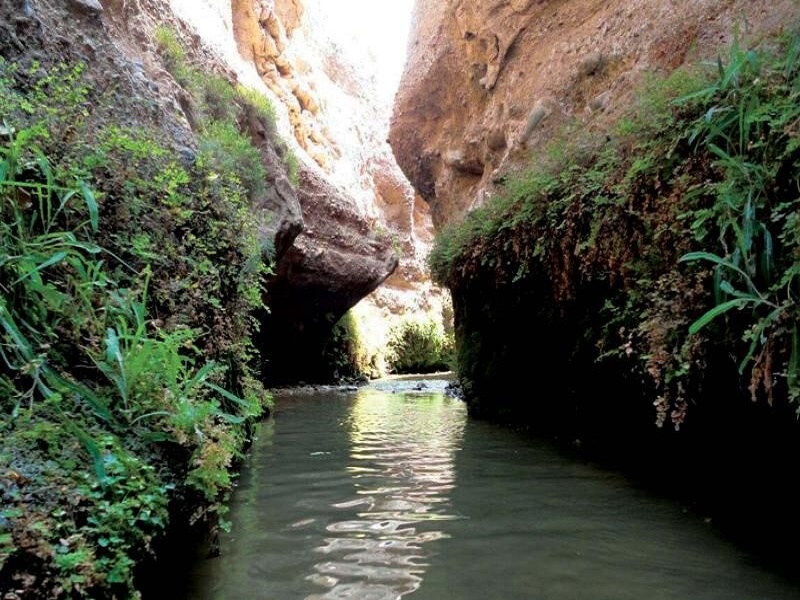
435 383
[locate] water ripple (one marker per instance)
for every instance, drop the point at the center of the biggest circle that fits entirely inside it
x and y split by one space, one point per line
402 468
356 497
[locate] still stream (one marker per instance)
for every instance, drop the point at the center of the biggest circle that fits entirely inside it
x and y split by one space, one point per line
391 491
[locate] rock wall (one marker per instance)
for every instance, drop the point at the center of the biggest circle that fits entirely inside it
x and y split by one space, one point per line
81 85
342 231
492 80
331 249
358 206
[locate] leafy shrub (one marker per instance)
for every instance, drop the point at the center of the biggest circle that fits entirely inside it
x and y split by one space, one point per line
217 97
345 355
419 347
172 53
226 150
748 128
127 286
223 108
259 103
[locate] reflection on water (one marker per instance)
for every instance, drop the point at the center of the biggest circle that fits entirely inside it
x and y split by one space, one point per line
376 495
402 469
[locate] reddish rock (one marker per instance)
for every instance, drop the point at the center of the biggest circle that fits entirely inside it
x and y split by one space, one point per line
491 80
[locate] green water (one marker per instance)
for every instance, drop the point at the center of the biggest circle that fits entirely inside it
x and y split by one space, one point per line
389 492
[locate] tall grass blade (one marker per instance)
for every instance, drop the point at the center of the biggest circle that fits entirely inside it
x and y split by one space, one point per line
91 205
91 447
767 256
114 356
99 407
21 344
226 394
793 369
717 311
713 258
57 258
718 281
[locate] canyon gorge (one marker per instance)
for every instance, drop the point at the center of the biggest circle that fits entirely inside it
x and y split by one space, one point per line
203 199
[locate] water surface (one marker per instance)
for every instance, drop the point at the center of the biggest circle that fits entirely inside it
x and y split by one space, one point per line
390 491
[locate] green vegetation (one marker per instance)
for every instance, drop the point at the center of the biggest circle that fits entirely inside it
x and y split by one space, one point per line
221 110
292 165
129 279
172 53
223 146
751 129
346 354
419 347
365 345
257 102
683 221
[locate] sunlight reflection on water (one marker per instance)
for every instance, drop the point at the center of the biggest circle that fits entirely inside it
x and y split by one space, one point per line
402 466
390 491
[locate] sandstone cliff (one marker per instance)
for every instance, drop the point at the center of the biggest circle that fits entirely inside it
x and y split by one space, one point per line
492 80
222 36
354 197
354 209
339 234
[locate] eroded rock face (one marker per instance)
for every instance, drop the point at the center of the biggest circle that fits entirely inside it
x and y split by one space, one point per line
127 27
114 38
351 187
351 184
357 206
332 265
487 82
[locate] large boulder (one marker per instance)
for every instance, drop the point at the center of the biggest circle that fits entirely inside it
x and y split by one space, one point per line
335 262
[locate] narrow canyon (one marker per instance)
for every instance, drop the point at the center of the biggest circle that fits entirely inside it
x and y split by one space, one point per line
242 240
